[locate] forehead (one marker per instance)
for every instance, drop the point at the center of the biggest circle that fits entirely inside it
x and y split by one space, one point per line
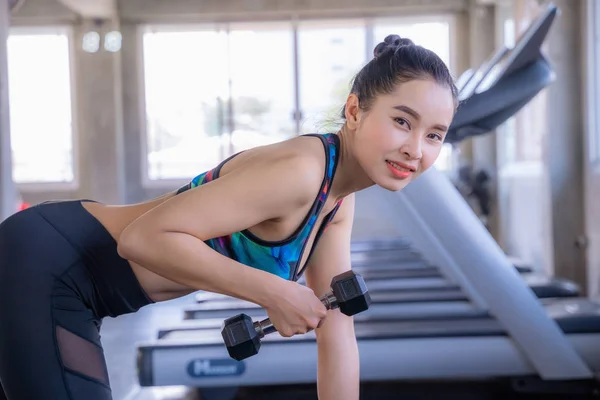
431 100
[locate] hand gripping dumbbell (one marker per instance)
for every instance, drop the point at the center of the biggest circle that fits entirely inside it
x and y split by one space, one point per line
242 336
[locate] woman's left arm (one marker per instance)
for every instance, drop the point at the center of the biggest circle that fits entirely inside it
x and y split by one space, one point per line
338 359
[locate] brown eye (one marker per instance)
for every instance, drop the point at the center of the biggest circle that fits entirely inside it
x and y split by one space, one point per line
435 136
402 122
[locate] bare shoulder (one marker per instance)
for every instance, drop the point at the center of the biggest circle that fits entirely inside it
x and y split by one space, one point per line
298 149
295 165
261 184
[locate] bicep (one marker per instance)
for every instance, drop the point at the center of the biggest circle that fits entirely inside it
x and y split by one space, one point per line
331 257
233 202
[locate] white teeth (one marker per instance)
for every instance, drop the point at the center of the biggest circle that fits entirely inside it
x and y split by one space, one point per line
397 166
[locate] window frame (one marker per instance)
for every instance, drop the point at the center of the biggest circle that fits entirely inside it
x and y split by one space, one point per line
74 184
592 96
368 22
146 182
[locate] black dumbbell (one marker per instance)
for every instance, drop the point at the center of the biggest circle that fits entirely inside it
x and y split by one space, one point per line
242 336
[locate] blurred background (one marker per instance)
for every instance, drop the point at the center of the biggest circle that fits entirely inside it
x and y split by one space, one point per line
123 100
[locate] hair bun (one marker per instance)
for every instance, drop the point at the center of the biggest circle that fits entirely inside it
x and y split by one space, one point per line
391 42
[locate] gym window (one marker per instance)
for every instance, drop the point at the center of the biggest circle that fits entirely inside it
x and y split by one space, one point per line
250 84
213 92
41 126
330 53
184 74
595 95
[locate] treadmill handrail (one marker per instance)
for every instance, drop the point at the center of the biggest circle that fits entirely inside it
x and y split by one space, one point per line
439 223
434 252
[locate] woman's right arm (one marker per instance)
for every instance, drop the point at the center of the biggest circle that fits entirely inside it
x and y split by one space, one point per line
168 240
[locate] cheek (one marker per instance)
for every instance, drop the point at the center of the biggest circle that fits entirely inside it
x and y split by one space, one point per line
375 133
382 133
431 153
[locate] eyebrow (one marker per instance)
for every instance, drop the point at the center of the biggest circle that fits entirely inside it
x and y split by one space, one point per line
416 116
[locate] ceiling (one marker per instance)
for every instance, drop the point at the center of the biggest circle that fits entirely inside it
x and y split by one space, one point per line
92 8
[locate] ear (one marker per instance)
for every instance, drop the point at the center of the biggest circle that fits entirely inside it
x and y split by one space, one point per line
352 111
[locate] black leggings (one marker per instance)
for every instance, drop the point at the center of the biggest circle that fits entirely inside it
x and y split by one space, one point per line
60 274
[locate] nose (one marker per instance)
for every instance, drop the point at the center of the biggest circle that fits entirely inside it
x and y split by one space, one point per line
413 148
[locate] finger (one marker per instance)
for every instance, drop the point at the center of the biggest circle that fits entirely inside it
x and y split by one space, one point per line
286 333
322 312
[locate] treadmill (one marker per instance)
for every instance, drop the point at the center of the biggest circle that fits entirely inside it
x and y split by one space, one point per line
538 345
410 295
398 254
420 278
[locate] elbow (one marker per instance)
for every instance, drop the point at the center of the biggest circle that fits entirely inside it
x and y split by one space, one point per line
133 243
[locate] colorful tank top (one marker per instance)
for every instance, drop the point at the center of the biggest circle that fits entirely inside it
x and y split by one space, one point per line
277 257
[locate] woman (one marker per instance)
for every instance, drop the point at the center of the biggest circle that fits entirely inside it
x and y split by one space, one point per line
66 265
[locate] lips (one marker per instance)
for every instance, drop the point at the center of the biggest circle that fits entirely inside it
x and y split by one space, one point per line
401 166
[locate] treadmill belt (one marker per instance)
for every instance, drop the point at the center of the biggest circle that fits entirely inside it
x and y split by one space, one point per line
379 244
381 284
365 330
396 256
571 315
386 250
198 325
407 296
430 303
393 310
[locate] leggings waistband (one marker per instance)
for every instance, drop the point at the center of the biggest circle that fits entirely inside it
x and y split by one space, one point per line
117 286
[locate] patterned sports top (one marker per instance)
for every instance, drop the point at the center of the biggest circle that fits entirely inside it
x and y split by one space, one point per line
277 257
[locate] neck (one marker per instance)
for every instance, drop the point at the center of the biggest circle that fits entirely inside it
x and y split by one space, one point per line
349 175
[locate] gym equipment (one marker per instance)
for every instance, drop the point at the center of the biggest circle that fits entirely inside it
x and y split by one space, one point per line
412 304
387 249
390 350
543 287
408 285
505 345
242 337
386 296
539 345
510 80
395 243
417 280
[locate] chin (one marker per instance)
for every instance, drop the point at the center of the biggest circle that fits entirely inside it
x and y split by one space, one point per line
393 185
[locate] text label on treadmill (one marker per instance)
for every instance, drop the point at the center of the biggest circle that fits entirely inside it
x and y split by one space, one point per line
215 367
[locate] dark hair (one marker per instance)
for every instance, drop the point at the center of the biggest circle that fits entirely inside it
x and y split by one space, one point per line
398 60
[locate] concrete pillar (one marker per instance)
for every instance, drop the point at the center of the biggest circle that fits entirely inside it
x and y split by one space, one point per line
8 192
460 46
564 157
100 123
482 43
133 116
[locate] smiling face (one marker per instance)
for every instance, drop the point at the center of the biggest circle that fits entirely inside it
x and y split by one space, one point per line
401 135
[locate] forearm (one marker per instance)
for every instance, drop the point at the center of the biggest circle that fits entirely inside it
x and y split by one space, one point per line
339 366
189 261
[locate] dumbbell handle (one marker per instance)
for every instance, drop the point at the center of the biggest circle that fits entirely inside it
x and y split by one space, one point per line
265 326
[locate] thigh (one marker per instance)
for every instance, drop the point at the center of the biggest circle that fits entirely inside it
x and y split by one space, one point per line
54 354
49 341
